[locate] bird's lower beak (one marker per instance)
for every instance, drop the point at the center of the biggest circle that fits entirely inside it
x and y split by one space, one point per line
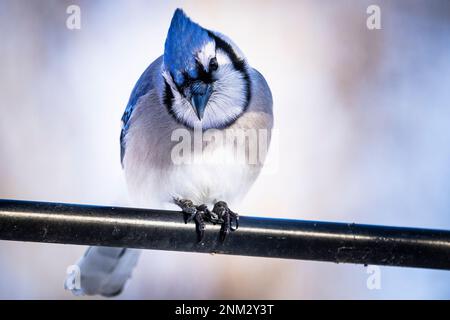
200 100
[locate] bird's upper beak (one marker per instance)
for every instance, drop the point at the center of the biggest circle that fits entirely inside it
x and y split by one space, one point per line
200 97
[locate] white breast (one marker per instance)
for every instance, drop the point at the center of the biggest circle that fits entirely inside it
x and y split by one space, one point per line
215 174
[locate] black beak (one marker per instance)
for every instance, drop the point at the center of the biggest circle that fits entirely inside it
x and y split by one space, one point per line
200 98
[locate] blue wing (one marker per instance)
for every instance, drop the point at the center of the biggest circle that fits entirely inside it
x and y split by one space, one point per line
143 85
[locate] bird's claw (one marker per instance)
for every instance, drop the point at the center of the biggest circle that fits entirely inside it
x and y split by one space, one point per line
220 214
228 219
193 213
188 209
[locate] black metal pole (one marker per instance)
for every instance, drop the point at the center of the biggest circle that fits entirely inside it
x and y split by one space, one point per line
263 237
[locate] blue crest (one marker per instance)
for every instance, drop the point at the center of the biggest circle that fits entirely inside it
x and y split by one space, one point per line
184 39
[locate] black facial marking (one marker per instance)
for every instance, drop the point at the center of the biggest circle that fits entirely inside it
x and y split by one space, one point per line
204 76
238 63
213 65
168 98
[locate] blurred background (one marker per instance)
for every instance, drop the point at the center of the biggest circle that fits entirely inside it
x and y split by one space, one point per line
363 119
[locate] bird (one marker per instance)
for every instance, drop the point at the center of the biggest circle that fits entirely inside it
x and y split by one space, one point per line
201 84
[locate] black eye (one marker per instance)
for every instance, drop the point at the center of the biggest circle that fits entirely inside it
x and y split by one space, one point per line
213 65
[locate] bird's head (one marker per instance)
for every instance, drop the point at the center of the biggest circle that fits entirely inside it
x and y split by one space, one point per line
206 76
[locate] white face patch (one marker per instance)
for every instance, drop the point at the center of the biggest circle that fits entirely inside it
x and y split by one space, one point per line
226 103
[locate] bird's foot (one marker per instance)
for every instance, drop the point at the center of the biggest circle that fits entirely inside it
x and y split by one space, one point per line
220 214
198 214
227 218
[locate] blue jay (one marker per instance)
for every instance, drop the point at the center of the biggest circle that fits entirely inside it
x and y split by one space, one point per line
202 82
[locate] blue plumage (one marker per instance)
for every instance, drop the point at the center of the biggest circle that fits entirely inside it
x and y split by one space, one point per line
184 39
142 86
